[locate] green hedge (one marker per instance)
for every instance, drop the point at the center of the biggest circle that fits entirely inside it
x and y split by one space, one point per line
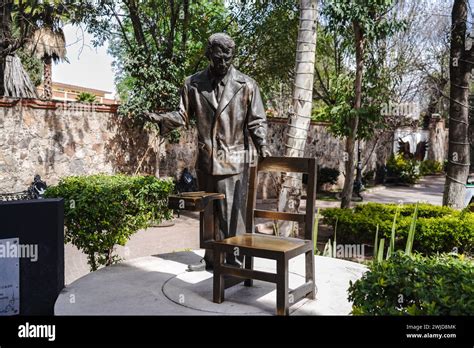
415 285
102 211
386 211
438 229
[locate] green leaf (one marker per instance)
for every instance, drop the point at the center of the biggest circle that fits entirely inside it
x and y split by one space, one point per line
315 232
381 247
411 232
376 243
391 249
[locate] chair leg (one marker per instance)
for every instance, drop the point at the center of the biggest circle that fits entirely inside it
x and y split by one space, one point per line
248 265
218 278
309 264
282 287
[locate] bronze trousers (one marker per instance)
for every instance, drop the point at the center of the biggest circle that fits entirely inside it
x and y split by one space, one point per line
229 213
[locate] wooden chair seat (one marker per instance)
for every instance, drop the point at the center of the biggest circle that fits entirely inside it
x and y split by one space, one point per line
254 244
281 249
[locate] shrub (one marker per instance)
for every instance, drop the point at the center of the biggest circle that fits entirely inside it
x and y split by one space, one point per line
430 167
387 211
415 285
327 176
102 211
86 97
438 229
405 170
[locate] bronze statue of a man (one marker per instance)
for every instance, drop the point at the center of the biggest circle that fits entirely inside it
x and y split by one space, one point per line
227 107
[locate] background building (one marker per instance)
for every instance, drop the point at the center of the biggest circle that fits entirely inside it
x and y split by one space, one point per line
67 92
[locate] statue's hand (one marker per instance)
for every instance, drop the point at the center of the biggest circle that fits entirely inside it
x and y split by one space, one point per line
264 151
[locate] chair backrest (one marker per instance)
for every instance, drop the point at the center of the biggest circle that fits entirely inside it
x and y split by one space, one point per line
287 165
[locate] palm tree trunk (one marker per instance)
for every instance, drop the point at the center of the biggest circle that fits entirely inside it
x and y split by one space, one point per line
354 122
460 75
48 79
299 121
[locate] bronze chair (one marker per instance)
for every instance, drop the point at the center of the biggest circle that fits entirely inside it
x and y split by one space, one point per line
280 249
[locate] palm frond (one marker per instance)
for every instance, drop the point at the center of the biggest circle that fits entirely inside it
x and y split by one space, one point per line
17 81
46 42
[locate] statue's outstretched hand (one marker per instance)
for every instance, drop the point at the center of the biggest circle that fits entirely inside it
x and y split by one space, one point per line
264 151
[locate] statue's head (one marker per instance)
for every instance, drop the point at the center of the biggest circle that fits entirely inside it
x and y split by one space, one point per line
220 52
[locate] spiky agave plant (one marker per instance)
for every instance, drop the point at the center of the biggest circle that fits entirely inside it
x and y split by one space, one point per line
391 248
379 246
411 232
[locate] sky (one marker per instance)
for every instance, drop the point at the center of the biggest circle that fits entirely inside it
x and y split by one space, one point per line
88 66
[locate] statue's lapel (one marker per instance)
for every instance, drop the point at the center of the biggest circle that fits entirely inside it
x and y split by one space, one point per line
234 83
210 97
204 87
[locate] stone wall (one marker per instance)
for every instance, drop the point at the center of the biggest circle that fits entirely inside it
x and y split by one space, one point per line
54 140
177 156
328 149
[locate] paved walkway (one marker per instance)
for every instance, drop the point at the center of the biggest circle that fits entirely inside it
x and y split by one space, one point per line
429 189
160 285
184 235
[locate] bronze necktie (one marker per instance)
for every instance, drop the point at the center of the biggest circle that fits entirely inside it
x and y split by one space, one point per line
218 88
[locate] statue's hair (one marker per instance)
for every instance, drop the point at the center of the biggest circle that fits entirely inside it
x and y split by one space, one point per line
222 40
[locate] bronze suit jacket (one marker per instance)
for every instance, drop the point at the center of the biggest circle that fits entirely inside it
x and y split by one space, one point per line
224 127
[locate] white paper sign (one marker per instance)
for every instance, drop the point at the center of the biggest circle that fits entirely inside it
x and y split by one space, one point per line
9 277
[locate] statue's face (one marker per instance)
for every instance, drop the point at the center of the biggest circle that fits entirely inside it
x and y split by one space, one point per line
220 60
